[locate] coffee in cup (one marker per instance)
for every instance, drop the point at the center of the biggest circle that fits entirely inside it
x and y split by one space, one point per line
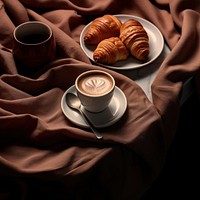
34 45
95 89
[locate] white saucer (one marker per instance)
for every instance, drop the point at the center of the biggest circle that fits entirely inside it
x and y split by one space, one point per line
109 116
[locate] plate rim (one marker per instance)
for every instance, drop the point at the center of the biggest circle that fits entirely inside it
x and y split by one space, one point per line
118 67
111 122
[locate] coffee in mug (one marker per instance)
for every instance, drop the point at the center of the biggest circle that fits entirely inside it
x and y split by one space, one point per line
34 45
95 89
34 38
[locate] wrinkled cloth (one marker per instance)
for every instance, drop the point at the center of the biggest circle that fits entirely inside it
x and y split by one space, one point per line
43 154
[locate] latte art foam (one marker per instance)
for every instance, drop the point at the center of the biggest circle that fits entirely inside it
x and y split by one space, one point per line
95 84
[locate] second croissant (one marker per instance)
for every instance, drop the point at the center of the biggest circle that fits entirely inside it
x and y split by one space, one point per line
110 50
135 37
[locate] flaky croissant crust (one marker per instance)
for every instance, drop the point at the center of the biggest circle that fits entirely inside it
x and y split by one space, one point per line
110 50
135 37
101 28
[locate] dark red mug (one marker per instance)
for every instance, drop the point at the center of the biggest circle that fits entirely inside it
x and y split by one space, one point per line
34 45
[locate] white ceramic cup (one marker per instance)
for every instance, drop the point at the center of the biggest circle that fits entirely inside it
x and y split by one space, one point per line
95 89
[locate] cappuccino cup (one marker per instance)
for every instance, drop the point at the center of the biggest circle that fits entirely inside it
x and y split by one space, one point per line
34 45
95 89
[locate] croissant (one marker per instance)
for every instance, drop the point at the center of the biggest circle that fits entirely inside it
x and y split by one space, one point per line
136 39
102 28
110 50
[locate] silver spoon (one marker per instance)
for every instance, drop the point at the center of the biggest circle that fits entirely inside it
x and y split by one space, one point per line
74 102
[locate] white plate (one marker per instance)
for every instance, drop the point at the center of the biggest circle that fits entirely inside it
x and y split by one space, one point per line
156 44
109 116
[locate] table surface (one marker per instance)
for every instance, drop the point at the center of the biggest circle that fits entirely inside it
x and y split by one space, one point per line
144 76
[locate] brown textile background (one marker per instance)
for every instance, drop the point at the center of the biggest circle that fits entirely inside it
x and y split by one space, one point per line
42 154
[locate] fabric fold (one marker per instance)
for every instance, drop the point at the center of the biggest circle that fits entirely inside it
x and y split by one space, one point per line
45 155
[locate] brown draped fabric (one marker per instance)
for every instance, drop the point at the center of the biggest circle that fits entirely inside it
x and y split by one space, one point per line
42 154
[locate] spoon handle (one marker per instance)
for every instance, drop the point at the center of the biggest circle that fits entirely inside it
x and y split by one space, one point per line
95 131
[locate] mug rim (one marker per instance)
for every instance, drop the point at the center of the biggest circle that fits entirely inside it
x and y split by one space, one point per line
91 71
29 23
